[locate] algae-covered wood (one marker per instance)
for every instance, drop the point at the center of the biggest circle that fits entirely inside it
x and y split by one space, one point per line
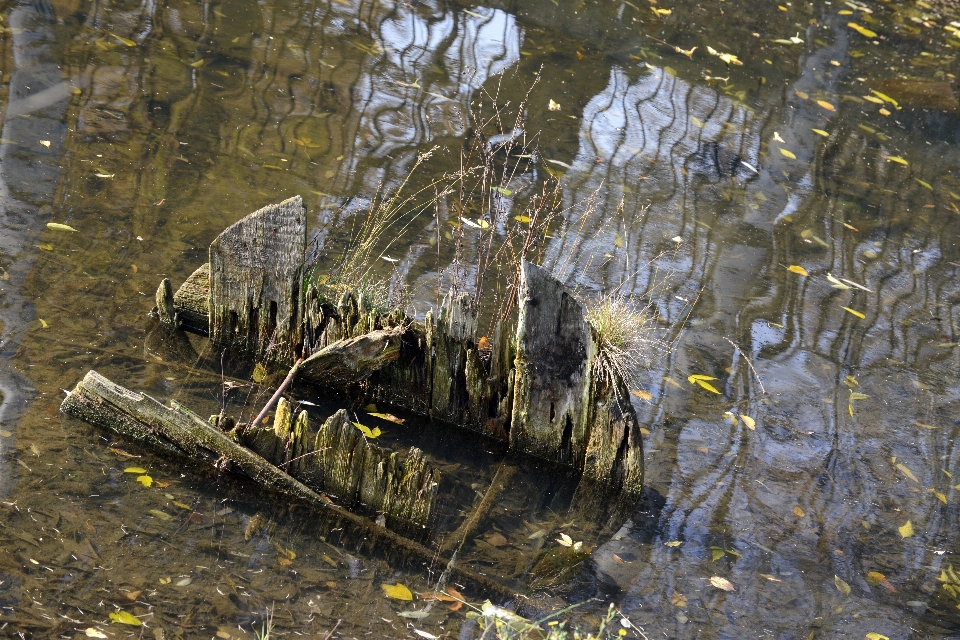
256 275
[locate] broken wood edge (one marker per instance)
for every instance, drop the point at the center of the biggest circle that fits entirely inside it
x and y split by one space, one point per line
104 404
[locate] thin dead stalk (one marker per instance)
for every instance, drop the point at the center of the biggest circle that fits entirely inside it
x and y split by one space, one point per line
750 364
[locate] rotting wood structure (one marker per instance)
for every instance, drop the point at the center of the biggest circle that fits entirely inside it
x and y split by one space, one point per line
531 384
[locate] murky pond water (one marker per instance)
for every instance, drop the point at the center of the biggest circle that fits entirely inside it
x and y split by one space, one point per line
805 200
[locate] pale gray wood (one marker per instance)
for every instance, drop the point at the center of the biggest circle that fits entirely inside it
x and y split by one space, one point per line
256 276
555 351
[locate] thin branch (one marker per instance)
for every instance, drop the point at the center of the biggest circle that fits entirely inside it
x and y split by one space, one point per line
750 364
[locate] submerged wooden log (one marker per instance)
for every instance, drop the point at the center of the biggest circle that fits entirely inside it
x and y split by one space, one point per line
176 429
256 276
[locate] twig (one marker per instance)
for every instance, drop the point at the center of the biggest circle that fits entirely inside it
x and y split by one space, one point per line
279 392
750 364
632 626
330 633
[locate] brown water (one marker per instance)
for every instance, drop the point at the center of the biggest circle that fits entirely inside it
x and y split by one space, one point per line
149 127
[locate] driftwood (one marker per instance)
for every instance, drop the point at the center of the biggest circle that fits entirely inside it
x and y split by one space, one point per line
176 429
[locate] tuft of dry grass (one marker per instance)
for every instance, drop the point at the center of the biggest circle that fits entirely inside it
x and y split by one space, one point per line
628 339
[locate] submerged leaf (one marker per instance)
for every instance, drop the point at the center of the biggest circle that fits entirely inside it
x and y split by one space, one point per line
903 469
897 159
716 554
259 373
750 422
125 618
707 386
826 105
137 470
698 376
820 132
397 591
854 312
788 153
906 531
367 431
841 585
722 583
59 227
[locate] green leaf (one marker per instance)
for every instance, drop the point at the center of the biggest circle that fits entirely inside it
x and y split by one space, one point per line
259 373
367 431
841 586
906 531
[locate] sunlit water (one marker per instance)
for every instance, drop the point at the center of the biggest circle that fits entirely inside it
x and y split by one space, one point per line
820 481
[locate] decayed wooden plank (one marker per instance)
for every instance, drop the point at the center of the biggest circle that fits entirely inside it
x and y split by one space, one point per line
256 273
554 353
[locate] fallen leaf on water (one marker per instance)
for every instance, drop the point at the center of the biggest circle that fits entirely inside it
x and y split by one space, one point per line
706 385
820 132
716 554
771 578
841 585
678 599
836 283
426 634
903 468
137 470
367 431
799 512
45 143
798 270
673 543
906 530
862 30
722 583
90 632
45 247
126 41
397 591
125 618
160 514
105 175
897 159
43 323
826 105
386 416
885 98
643 394
788 153
414 615
750 422
259 373
854 312
197 64
925 185
145 480
617 559
873 99
553 106
165 580
565 540
698 376
284 562
941 497
183 582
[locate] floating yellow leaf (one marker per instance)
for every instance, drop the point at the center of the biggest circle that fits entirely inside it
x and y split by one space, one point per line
259 373
43 323
767 576
697 121
862 30
874 577
137 470
820 132
367 431
836 283
926 185
673 543
553 106
92 632
706 385
826 105
127 41
941 497
903 469
854 312
523 219
798 270
59 227
100 174
643 394
698 376
906 530
45 247
897 159
387 416
716 554
677 600
728 58
722 583
885 98
396 591
876 636
145 480
662 12
125 618
750 422
841 585
197 64
788 153
799 512
45 143
873 99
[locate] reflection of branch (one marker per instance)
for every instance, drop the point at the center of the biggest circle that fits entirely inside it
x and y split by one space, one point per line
750 364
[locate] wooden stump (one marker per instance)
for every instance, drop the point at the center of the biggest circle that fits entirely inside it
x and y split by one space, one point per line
256 277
